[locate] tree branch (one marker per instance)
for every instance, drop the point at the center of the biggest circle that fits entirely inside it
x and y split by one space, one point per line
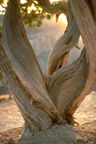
59 54
83 15
60 7
72 83
67 83
23 60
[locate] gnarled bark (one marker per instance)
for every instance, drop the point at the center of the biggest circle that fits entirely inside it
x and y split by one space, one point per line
26 80
87 27
33 115
43 102
23 60
60 53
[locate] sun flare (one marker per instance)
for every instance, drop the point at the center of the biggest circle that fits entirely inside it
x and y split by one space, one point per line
1 9
63 18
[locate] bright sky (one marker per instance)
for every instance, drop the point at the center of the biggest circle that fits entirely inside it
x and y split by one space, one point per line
54 0
1 9
62 17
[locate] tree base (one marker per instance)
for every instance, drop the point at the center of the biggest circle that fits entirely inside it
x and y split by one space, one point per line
55 135
63 134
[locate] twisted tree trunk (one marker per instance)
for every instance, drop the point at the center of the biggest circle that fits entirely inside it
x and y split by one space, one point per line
44 101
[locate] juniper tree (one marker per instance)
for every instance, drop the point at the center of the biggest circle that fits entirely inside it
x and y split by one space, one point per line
46 100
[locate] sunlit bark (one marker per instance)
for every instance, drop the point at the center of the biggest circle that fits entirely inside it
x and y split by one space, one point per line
54 99
62 47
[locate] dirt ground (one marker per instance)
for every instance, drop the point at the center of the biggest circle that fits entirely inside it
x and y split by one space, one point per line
9 135
11 121
10 116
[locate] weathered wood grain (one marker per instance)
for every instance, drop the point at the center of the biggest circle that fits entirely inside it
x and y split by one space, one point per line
54 99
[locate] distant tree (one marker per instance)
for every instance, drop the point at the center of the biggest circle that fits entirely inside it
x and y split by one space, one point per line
31 11
45 100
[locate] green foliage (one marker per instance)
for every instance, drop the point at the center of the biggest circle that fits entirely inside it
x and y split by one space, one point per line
33 14
31 11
